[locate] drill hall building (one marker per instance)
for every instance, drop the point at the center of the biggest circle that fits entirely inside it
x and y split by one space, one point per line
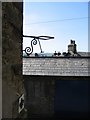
53 85
57 85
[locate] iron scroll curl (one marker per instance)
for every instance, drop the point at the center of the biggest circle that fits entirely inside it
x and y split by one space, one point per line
29 50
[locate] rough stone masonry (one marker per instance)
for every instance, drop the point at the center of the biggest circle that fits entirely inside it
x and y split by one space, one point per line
12 81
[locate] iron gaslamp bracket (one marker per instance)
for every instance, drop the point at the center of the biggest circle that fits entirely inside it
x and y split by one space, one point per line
34 41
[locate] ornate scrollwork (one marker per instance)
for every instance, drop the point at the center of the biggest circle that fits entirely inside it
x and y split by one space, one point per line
34 42
29 50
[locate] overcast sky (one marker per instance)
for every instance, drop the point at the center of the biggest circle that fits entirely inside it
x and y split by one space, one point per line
62 20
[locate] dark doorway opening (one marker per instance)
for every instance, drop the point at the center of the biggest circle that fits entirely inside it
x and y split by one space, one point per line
71 99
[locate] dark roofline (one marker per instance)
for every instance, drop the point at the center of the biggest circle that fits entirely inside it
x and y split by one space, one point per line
57 57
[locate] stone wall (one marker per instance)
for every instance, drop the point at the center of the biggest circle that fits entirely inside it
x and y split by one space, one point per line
39 96
12 81
43 93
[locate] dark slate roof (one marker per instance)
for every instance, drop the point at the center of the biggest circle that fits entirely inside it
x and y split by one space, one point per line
84 53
